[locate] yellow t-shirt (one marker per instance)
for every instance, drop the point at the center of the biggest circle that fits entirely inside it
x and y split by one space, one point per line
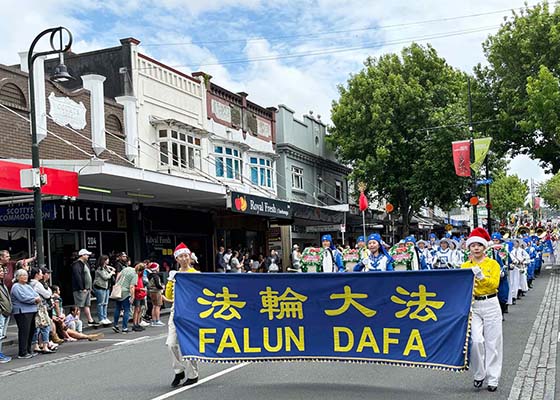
170 286
491 270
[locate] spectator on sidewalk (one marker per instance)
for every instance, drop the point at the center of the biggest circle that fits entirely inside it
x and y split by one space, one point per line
40 339
121 262
220 262
24 308
82 284
139 297
5 311
127 280
103 275
155 289
71 322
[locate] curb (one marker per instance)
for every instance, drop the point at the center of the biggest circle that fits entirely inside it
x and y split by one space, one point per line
14 340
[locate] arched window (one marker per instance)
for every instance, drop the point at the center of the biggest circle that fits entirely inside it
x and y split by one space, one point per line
113 124
12 96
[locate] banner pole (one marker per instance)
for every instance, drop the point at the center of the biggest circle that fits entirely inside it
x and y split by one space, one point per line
364 224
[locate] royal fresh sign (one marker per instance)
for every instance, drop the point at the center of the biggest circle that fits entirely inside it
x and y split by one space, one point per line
255 205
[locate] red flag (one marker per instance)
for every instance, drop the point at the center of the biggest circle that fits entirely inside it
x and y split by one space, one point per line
462 157
363 202
537 203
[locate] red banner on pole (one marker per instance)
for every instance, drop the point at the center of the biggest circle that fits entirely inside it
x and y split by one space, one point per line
462 157
59 182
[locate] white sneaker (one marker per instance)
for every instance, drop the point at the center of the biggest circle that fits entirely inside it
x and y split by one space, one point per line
106 322
158 323
144 323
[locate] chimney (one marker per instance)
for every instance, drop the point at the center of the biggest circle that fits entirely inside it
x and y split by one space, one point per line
94 83
23 61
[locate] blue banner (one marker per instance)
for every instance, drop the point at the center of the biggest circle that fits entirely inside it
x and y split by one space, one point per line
410 318
24 216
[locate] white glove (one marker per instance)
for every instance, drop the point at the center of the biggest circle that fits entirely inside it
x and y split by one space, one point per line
477 272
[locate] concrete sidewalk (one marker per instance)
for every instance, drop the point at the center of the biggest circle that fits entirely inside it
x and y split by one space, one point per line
12 334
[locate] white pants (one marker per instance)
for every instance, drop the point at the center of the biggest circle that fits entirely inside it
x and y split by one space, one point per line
486 335
513 284
179 365
523 285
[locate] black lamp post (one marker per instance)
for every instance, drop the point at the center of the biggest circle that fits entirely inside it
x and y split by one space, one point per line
60 75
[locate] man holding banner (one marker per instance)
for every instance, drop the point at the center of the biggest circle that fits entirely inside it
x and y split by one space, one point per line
486 325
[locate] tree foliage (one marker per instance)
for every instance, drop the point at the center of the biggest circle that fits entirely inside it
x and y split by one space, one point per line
380 123
550 192
508 192
519 91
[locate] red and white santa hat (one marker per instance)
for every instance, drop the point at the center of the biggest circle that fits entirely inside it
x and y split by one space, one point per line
181 249
478 235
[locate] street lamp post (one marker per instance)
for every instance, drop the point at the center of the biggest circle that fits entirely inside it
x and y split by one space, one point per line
60 75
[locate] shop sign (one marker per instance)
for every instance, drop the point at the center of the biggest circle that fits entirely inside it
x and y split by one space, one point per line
323 228
23 215
65 111
262 206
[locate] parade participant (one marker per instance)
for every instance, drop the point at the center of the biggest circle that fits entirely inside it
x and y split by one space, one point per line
295 259
362 247
182 256
418 261
531 250
378 258
331 257
423 248
457 258
443 255
486 326
520 259
499 252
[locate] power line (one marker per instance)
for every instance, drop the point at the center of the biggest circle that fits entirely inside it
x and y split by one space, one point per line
336 50
323 33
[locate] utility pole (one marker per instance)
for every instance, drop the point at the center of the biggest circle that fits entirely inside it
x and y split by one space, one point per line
475 209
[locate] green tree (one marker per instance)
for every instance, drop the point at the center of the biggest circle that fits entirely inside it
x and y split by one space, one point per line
519 92
507 193
550 192
380 123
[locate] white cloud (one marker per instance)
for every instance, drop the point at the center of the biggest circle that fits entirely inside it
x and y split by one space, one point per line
528 169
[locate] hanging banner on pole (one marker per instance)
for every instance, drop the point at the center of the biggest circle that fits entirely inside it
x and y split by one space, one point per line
414 318
462 157
481 147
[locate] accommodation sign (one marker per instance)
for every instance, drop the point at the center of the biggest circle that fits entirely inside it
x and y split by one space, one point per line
255 205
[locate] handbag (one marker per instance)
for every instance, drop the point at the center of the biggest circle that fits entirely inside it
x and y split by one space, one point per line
42 318
116 293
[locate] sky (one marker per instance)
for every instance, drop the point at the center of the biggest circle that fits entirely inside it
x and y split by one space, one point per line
298 51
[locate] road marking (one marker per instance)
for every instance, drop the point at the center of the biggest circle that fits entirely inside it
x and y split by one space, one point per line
200 382
133 341
558 337
112 340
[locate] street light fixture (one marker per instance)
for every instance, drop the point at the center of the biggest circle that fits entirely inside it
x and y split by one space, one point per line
61 75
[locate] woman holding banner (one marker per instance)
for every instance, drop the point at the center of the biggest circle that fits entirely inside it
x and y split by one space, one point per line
486 325
183 257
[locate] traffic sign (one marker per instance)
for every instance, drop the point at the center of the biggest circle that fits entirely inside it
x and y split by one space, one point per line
484 181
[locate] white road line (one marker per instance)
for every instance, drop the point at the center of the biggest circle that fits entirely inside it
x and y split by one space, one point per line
200 382
132 341
112 340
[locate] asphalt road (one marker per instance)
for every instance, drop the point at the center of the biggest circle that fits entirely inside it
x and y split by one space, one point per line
136 366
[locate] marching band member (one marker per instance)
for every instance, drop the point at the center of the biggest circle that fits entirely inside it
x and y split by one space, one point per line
531 250
332 258
378 258
520 260
443 255
418 261
457 257
498 251
423 249
183 257
486 326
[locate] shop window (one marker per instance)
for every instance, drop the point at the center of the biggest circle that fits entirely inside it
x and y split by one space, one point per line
261 171
338 190
297 178
228 162
185 148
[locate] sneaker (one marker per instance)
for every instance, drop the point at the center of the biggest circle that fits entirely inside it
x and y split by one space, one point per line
93 323
125 331
136 328
190 381
178 378
158 323
25 356
116 329
4 359
144 323
105 322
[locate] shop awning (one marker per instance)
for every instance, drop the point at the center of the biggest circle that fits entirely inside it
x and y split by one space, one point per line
123 184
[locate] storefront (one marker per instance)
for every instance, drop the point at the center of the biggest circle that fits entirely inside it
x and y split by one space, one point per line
251 224
102 228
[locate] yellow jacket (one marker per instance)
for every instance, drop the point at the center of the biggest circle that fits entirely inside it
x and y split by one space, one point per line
491 270
170 285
